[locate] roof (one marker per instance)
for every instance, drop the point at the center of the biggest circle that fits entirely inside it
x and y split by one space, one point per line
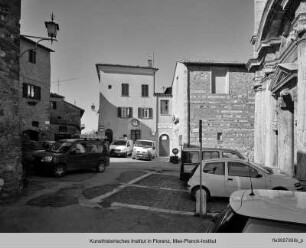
275 205
34 43
212 62
127 66
81 110
56 95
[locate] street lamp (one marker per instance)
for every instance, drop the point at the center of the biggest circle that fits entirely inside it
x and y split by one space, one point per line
52 28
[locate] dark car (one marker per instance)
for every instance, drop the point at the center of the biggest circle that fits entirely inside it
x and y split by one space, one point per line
73 154
190 158
263 211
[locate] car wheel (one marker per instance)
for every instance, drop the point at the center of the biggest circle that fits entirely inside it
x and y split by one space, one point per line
196 189
280 188
101 166
59 170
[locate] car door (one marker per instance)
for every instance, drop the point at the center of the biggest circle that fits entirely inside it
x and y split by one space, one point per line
239 176
76 157
213 178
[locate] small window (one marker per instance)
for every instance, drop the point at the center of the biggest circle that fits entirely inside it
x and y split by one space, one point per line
144 90
31 91
125 112
53 104
109 87
35 123
32 56
164 107
219 81
240 170
145 113
124 90
219 137
214 168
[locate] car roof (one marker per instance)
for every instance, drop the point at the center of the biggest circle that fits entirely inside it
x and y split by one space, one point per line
146 140
288 206
209 149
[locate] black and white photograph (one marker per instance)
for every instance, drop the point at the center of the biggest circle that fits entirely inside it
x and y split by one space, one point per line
152 123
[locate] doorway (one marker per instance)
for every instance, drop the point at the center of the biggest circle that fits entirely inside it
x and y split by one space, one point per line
164 145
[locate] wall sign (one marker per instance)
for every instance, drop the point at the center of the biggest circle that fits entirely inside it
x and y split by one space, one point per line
135 122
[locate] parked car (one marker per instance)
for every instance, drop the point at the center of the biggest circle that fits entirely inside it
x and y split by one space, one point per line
221 177
73 154
121 147
264 211
190 158
144 149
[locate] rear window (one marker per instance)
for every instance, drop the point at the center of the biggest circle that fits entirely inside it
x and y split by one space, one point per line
190 157
231 155
119 142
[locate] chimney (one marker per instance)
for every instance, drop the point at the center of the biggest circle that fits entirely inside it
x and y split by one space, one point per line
150 63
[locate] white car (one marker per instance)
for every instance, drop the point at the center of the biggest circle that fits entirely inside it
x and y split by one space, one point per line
144 149
221 177
121 147
263 211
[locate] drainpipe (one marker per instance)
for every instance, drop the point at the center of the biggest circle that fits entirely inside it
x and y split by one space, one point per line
188 107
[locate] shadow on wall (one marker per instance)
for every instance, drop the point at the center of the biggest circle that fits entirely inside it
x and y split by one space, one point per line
122 126
301 168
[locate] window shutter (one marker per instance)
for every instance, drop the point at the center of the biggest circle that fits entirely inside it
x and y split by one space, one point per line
140 113
119 112
150 113
37 93
130 112
24 90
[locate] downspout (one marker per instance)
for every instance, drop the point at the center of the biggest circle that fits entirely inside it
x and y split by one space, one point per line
188 107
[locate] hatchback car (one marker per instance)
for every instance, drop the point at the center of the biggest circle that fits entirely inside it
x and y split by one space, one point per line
221 177
73 154
190 158
144 149
263 211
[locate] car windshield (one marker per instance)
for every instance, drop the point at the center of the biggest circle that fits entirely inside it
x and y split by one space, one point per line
143 144
62 147
119 142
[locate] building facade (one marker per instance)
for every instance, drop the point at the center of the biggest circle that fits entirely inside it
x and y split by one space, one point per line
279 63
10 142
164 123
127 107
65 118
221 95
35 76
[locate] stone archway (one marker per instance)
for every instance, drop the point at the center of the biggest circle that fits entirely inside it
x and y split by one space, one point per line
164 145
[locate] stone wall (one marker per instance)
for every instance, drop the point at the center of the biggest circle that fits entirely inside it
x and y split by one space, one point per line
231 114
10 143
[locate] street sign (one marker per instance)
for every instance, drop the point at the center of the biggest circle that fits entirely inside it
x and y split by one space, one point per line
175 151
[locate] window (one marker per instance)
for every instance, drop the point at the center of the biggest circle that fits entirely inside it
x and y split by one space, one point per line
35 123
78 148
210 155
219 81
31 91
219 137
190 157
135 135
230 155
164 107
124 90
32 56
240 170
214 168
109 87
53 104
144 90
145 113
125 112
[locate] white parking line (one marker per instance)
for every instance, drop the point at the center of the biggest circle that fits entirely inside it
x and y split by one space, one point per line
121 187
155 187
160 210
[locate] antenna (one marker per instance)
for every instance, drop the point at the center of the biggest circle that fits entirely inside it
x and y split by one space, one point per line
252 191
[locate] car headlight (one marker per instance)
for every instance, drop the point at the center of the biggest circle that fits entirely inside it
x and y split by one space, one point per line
47 159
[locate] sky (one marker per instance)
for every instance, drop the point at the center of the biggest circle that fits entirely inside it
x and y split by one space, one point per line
128 32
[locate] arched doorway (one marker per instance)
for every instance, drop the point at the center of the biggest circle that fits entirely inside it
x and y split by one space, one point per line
109 135
164 145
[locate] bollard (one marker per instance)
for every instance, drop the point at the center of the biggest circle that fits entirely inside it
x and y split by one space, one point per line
201 202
